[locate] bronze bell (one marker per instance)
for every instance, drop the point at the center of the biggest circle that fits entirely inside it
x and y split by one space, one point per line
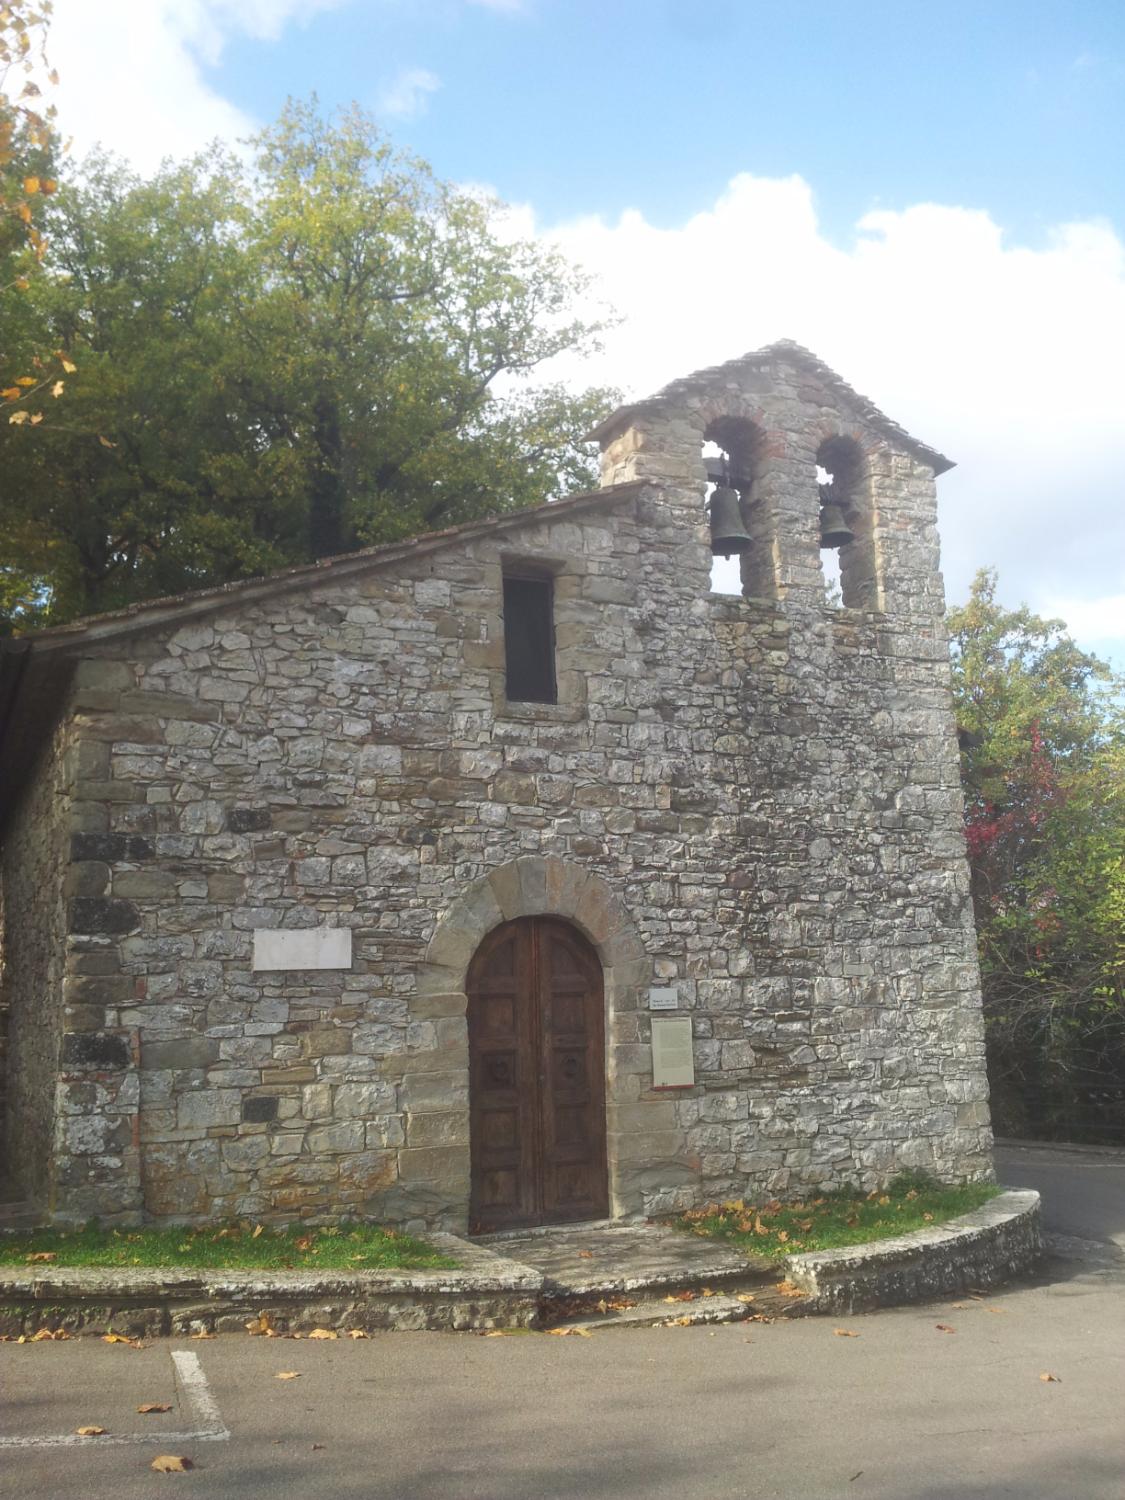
834 530
728 530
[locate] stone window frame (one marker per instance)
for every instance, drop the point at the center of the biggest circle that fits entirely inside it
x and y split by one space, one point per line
570 685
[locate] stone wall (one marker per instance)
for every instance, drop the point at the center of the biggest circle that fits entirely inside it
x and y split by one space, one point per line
755 801
33 944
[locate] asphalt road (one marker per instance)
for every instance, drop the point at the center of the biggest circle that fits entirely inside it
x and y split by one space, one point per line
786 1411
1083 1191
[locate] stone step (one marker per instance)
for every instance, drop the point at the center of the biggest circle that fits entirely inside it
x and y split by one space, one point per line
647 1312
577 1281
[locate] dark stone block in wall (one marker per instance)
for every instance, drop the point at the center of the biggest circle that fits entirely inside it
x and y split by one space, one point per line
95 1049
110 846
248 819
90 915
180 1052
259 1109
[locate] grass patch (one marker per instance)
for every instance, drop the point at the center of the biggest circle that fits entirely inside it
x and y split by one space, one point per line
912 1201
343 1247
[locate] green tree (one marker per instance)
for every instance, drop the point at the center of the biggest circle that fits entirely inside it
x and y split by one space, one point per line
322 350
1043 769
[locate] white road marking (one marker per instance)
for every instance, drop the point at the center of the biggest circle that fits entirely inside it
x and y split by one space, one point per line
200 1408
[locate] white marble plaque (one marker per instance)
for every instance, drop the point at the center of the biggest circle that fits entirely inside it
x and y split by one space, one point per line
673 1063
663 997
302 948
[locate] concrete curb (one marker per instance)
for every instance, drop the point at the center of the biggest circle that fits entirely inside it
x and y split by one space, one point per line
978 1250
488 1290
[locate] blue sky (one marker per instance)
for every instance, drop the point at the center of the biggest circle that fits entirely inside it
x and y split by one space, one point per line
931 197
1013 105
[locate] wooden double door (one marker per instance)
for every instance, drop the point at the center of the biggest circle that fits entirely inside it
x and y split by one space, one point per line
536 1077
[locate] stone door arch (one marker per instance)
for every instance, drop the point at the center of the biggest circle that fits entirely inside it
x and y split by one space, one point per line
537 1096
545 886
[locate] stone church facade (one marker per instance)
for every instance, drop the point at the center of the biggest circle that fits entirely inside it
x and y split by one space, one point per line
358 890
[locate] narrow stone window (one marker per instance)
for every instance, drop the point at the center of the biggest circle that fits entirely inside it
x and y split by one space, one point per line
847 542
733 453
529 638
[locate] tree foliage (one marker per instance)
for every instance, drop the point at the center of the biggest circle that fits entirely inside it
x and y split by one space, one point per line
283 359
1043 768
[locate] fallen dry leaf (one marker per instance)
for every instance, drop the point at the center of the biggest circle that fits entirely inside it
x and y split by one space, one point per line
257 1231
288 1375
706 1292
171 1463
1052 1379
944 1328
89 1431
745 1296
357 1333
1001 1312
260 1324
787 1289
928 1218
585 1255
121 1338
845 1333
151 1406
583 1333
496 1333
684 1322
202 1334
323 1333
41 1255
47 1333
681 1297
304 1243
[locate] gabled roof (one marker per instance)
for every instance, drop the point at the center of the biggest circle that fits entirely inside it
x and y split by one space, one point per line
784 351
150 614
36 668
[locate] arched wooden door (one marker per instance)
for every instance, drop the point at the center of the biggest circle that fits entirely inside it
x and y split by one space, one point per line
536 1077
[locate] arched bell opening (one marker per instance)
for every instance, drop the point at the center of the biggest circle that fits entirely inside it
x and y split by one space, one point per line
846 554
537 1077
733 452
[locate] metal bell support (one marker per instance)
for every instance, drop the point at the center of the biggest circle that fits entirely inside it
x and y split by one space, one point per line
728 530
834 530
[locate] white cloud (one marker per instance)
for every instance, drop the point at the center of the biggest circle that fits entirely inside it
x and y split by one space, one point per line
132 70
1006 357
408 93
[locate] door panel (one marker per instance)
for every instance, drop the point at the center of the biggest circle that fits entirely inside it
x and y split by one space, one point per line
537 1077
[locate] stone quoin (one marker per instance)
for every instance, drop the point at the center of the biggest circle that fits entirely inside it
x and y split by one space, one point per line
542 776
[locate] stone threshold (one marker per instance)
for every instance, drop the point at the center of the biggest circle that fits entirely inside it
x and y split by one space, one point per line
493 1290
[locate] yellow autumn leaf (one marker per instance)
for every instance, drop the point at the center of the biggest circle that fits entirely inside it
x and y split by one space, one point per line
323 1333
11 393
17 418
68 367
25 380
31 185
36 418
89 1431
58 388
171 1463
105 442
